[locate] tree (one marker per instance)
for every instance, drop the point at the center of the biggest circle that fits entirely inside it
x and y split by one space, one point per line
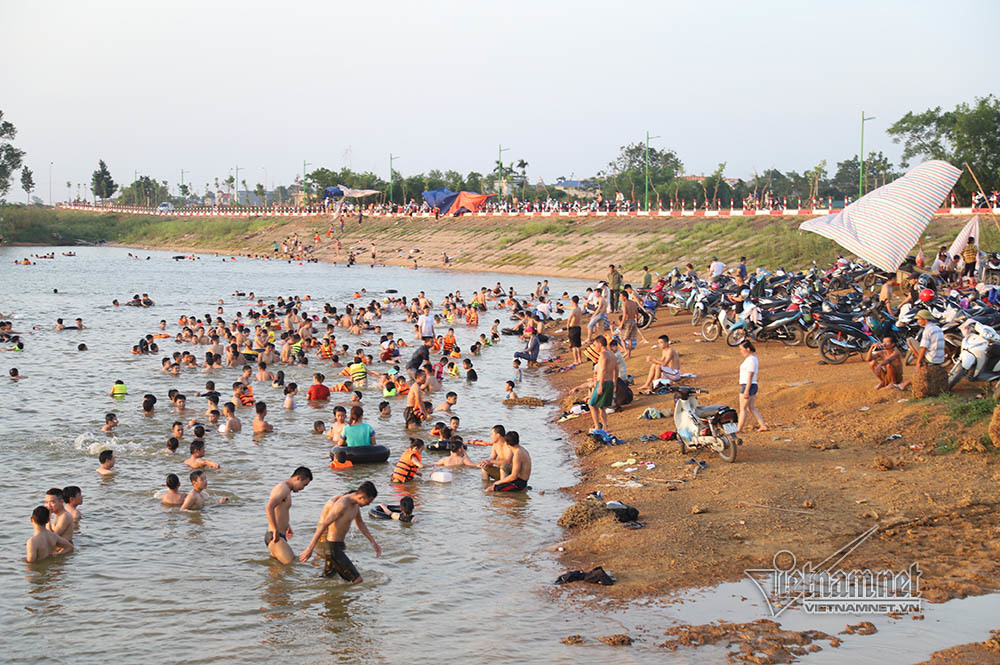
969 134
474 182
10 157
69 191
261 194
101 183
27 182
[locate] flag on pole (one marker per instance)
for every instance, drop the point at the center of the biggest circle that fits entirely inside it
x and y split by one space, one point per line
883 225
970 230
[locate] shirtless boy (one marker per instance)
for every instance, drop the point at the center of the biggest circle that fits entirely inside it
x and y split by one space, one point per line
107 460
232 424
520 472
334 523
498 463
413 414
260 425
604 384
172 497
457 457
44 543
197 459
73 498
61 520
574 331
279 504
195 500
667 368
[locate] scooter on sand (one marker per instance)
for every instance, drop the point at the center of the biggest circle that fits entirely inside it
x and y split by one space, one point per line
712 427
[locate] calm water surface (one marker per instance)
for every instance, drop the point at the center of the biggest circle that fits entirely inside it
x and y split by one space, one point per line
466 583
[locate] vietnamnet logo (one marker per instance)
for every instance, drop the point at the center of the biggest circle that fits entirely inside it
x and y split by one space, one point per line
823 588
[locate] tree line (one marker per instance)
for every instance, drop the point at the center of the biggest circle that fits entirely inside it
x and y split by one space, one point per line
968 134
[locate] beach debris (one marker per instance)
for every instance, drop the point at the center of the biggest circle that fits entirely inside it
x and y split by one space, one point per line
870 514
698 510
587 446
865 408
630 460
617 640
841 469
825 445
887 464
785 510
582 512
863 628
893 437
595 576
971 445
916 446
524 401
703 464
760 642
573 639
797 383
808 503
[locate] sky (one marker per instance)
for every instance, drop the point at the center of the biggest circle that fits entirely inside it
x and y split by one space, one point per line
154 88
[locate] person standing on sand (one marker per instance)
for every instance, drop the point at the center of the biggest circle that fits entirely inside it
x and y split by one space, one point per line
600 312
748 387
615 285
573 330
279 503
604 385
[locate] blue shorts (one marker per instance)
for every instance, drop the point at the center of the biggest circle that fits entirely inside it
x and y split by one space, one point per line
753 389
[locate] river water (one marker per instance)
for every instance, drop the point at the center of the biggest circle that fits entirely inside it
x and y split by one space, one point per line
469 581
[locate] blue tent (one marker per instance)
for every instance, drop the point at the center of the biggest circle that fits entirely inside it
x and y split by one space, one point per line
332 193
440 199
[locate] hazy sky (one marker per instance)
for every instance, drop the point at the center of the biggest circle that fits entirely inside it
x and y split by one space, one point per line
205 86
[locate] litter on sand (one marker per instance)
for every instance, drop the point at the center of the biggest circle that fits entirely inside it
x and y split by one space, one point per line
864 408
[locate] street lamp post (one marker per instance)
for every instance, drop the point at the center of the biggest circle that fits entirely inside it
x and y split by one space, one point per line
181 188
500 151
305 165
236 185
861 156
648 137
391 157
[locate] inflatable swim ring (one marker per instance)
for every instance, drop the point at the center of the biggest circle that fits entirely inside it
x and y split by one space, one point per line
362 454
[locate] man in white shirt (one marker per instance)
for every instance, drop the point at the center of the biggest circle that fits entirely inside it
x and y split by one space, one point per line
717 267
426 324
544 309
931 376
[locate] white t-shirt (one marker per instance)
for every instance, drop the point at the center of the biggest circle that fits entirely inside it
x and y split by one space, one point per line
932 339
545 309
426 325
717 268
748 369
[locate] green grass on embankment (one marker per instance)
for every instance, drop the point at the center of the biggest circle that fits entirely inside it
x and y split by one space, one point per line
582 245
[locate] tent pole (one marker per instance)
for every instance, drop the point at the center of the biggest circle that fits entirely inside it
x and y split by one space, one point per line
983 194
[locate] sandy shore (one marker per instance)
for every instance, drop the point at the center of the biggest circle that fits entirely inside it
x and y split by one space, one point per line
830 468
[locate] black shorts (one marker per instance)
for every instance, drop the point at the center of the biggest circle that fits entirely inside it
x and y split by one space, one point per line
269 536
337 562
969 270
411 418
574 337
516 485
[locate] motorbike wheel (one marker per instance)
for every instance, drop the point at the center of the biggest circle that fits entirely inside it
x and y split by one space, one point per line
832 353
710 330
955 375
728 452
736 337
696 316
836 284
813 337
645 318
791 335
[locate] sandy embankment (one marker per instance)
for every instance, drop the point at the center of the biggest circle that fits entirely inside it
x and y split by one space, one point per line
827 471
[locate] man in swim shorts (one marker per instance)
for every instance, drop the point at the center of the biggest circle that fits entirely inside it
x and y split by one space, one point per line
573 329
334 523
604 384
517 479
279 503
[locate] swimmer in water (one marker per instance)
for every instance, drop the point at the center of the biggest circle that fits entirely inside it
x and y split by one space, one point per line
338 425
279 504
16 375
260 425
290 391
457 456
384 410
510 390
172 497
195 500
107 461
232 424
44 543
110 422
450 400
61 521
319 427
73 497
197 459
402 513
335 522
173 444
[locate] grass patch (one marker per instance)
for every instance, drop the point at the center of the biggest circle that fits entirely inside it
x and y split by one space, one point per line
967 412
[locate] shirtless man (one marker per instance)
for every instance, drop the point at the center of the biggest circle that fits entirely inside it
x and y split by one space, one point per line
886 362
667 368
232 424
195 500
172 497
73 498
604 385
517 479
885 294
44 543
62 521
600 313
278 505
413 414
573 329
197 459
339 423
261 426
498 463
107 463
334 523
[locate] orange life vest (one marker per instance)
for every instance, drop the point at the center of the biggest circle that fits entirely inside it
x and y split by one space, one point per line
449 342
337 466
405 468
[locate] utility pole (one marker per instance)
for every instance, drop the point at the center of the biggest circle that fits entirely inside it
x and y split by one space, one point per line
236 185
182 184
500 151
648 137
861 156
305 165
391 157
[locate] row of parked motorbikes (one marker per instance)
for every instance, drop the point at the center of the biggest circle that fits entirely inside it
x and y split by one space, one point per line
834 310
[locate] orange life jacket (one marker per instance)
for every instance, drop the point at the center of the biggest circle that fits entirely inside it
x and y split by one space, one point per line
326 352
405 469
337 466
449 342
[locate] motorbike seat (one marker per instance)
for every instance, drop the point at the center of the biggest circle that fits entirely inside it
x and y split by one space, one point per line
709 411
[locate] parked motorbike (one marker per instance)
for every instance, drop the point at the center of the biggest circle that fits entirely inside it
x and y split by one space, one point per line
700 427
979 357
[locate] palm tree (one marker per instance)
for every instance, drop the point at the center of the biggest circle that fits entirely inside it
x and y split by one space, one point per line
523 167
69 191
245 189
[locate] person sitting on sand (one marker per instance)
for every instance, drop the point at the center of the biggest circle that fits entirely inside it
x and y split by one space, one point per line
886 362
667 368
